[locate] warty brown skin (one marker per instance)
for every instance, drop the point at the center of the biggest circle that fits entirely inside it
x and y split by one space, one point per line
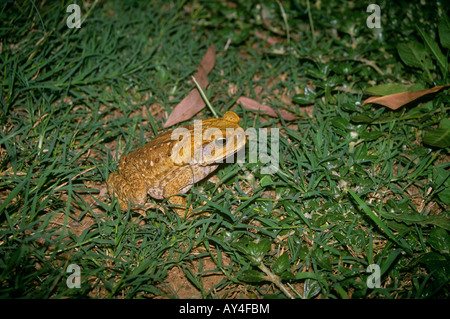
170 164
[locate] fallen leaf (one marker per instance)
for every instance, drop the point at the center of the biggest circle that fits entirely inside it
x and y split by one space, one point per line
193 102
254 105
397 100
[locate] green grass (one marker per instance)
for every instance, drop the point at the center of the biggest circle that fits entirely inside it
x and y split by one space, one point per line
356 185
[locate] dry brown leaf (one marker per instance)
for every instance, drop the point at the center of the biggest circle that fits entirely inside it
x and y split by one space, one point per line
254 105
397 100
193 102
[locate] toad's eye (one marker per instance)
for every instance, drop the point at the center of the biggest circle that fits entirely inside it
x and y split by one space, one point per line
220 142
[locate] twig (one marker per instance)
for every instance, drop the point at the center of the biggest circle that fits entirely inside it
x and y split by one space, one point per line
199 88
311 21
286 24
276 280
72 178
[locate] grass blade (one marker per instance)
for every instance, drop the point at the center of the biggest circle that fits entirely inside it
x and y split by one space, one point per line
378 222
434 48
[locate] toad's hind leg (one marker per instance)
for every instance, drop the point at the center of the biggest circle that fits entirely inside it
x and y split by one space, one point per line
179 202
126 191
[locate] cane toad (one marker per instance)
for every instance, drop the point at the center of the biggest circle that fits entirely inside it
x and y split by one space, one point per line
173 161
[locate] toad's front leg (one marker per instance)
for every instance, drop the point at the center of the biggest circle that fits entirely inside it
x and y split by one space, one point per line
181 183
